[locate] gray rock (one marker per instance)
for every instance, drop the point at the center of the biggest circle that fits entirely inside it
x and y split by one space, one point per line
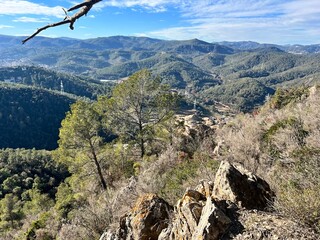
196 217
146 220
241 187
207 213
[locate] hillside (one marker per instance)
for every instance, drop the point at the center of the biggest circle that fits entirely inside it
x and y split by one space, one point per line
34 100
252 176
31 117
52 80
204 70
295 48
174 70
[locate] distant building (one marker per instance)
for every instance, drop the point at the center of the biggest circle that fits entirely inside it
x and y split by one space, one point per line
61 87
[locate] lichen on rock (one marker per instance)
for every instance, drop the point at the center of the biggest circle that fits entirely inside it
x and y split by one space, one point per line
233 207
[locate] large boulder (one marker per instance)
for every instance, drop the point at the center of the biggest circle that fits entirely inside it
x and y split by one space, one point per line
241 187
147 219
196 217
209 212
213 222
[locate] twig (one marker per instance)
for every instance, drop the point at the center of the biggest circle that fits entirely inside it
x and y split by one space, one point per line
85 8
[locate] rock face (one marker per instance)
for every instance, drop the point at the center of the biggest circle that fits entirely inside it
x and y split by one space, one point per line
146 220
230 208
196 217
241 187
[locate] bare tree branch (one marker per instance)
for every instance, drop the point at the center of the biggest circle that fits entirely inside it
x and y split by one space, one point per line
84 9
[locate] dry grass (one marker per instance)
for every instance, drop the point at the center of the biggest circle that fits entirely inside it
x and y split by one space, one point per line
282 146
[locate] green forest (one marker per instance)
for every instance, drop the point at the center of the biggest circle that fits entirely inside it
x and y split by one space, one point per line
38 187
89 126
31 117
122 145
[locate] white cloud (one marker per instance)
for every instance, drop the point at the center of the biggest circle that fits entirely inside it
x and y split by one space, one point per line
149 5
30 19
13 7
141 3
278 21
5 26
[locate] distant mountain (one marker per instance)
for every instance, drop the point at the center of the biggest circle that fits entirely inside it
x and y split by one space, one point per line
246 45
249 45
300 49
121 42
117 57
193 66
174 70
51 80
247 77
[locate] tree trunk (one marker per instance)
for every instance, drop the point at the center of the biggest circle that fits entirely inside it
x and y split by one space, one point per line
141 139
96 162
142 147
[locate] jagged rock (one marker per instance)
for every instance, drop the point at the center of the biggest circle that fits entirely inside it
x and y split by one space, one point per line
205 188
197 218
210 212
213 222
241 187
147 219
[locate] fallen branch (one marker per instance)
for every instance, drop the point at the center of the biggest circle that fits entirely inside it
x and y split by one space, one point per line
85 8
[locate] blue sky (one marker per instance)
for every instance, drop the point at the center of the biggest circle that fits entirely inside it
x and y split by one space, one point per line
265 21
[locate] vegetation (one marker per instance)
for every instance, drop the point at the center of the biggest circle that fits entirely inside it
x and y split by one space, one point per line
114 149
205 70
51 80
139 118
79 142
31 117
244 95
279 143
28 184
137 107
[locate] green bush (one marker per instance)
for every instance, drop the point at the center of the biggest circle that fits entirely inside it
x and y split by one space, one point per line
283 97
174 179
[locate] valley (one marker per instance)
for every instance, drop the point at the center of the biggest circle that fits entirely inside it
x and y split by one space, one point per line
140 138
207 71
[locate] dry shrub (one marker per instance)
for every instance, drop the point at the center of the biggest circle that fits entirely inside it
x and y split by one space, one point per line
298 187
300 204
206 158
282 145
151 176
241 141
70 231
102 211
174 171
90 221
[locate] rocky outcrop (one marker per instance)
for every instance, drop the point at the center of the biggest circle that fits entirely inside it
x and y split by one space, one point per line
147 219
241 187
225 209
197 217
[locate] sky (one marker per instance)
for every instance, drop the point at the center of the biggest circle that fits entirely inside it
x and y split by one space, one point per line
264 21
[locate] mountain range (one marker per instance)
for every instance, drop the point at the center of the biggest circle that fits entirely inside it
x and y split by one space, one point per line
207 71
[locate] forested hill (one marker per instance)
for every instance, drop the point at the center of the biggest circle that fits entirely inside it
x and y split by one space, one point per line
208 72
295 48
52 80
31 117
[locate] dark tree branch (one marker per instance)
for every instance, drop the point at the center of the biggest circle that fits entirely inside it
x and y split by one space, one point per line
85 8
